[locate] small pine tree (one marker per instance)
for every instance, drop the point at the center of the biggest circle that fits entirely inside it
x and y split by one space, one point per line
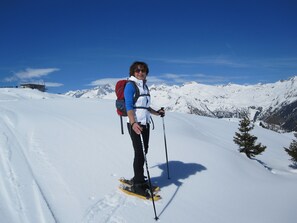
292 151
246 141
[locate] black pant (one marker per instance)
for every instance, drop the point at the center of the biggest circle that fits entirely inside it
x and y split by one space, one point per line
138 151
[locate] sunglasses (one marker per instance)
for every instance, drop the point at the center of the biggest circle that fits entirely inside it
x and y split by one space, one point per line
140 70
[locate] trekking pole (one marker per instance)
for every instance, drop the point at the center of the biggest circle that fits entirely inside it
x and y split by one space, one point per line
165 146
122 127
149 178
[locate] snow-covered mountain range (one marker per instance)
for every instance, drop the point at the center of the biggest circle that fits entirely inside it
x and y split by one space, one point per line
273 103
61 158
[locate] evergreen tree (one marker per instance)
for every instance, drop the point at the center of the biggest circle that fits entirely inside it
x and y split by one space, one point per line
246 141
292 151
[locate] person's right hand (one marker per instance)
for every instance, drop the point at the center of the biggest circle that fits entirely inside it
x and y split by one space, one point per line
137 128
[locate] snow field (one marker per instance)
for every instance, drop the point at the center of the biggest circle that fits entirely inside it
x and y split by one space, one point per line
60 160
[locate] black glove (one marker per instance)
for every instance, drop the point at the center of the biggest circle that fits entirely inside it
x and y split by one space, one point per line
161 112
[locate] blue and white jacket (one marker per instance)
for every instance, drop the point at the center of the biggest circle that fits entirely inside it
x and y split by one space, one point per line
142 105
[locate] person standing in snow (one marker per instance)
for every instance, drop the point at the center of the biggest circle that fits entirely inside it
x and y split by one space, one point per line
139 115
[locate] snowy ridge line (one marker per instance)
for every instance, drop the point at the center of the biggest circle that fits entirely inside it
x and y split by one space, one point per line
260 101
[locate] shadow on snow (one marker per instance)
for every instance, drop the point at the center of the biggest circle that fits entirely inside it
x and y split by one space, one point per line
178 171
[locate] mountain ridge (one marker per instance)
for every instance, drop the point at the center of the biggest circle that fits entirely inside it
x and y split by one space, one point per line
272 103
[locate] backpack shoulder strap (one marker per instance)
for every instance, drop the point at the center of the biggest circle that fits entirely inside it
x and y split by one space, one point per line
147 88
137 93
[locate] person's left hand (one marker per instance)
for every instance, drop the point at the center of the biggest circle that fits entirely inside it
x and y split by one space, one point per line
161 112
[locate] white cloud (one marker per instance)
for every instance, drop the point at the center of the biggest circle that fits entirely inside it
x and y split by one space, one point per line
174 78
105 81
278 62
156 80
228 61
10 79
51 84
30 73
171 79
34 73
210 60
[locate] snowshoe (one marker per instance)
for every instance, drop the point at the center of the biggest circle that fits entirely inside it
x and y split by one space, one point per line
143 193
130 184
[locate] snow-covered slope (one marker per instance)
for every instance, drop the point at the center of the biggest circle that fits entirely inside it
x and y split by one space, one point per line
60 158
261 101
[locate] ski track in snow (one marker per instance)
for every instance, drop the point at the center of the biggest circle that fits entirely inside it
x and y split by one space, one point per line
105 210
13 149
54 178
12 183
43 160
6 153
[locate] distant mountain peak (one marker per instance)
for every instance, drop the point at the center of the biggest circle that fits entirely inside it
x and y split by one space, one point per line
260 101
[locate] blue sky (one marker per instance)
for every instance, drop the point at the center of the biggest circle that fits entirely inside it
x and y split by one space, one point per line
73 45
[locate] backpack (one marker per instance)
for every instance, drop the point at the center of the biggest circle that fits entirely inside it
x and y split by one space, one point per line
120 101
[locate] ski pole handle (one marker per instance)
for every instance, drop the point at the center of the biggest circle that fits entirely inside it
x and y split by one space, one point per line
162 113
